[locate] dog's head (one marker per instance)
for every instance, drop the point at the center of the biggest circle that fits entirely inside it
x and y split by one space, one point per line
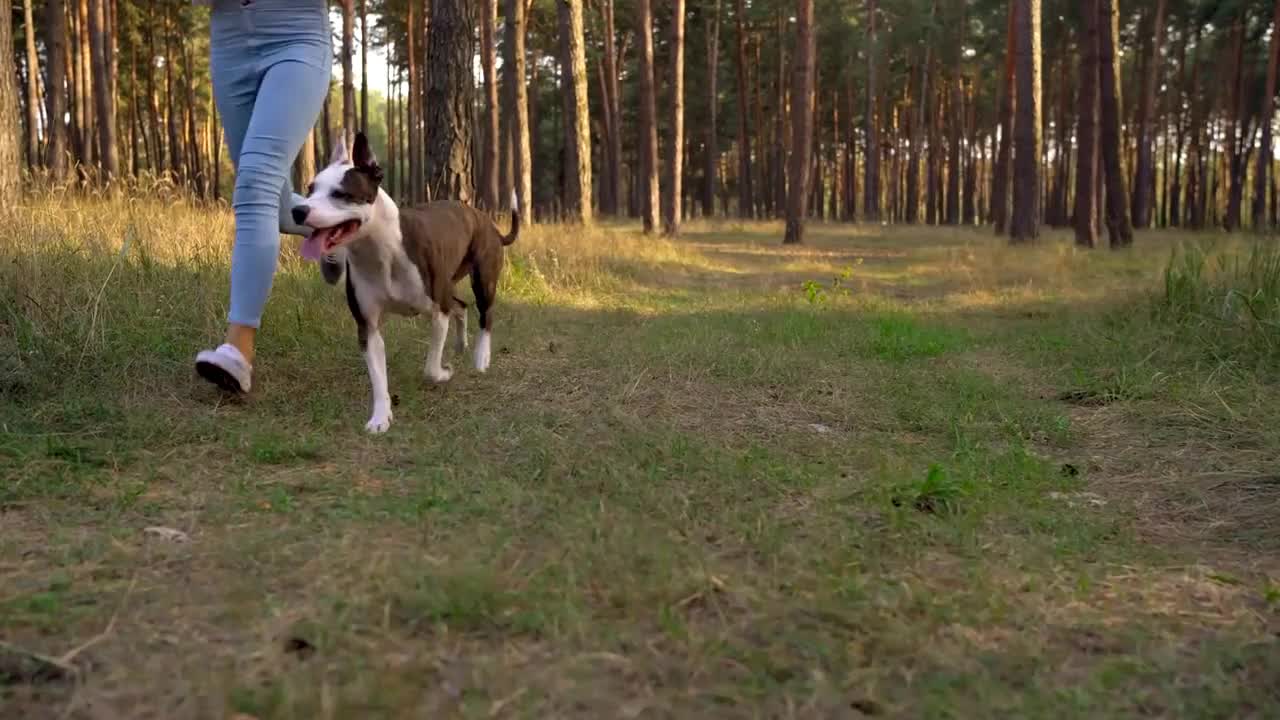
341 199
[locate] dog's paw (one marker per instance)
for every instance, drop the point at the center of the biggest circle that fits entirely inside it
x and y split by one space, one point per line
440 375
378 424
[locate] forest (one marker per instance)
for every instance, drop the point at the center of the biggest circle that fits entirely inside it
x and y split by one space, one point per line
1104 116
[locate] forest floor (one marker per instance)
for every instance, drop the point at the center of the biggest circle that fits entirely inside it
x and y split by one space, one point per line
899 472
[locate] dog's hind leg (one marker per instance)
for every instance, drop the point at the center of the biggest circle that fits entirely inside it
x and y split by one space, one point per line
485 288
459 317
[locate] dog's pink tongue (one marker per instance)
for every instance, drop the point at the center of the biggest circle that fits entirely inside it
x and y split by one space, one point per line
313 245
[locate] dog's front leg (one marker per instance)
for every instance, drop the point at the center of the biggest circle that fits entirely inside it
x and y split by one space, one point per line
375 356
436 371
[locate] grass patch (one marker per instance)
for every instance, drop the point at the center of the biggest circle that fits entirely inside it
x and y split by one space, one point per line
900 472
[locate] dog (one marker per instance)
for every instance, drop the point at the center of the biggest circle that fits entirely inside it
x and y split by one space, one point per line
405 261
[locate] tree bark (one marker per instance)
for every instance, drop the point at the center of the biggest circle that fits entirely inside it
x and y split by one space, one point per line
745 195
413 97
364 65
348 72
514 64
85 101
671 206
492 139
649 198
611 181
1265 158
578 205
1144 174
871 183
1024 225
1238 132
1000 176
711 157
1086 209
953 160
10 124
33 87
802 110
55 41
448 101
1119 229
103 100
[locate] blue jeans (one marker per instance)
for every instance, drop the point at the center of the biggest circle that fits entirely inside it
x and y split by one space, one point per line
271 62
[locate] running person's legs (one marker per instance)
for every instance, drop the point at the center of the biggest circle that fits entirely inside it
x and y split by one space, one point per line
271 65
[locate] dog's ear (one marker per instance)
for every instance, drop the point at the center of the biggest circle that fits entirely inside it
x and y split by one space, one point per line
339 155
364 159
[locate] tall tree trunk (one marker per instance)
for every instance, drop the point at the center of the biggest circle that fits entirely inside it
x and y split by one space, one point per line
1194 151
1119 229
364 65
871 185
1086 210
918 125
33 87
649 198
170 107
413 95
1265 158
448 101
348 72
519 114
577 122
1144 174
802 110
953 148
1024 224
612 111
711 158
104 102
85 99
55 42
195 167
612 179
672 195
304 167
778 182
489 164
1000 177
745 195
10 123
1238 132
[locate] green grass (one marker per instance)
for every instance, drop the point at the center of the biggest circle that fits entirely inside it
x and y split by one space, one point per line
897 472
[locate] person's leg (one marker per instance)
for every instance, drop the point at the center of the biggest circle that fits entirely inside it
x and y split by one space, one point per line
289 99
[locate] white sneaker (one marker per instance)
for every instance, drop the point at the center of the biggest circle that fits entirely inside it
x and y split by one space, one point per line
226 368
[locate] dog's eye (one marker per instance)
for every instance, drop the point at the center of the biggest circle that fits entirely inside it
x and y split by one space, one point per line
340 196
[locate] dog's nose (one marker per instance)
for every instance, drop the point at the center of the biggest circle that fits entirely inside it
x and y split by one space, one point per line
300 213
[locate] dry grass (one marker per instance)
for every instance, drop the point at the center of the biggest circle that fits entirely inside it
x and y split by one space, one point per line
709 477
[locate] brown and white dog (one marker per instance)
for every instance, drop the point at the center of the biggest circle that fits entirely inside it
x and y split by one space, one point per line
401 260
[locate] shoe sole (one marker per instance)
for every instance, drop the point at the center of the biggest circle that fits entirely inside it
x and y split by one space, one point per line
219 377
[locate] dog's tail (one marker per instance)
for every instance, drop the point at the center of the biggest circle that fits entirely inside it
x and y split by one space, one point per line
515 221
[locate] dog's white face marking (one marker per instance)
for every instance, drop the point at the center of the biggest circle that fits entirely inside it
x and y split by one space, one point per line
482 351
375 356
436 371
341 200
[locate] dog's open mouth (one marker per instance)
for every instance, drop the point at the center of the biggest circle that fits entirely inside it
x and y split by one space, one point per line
322 241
